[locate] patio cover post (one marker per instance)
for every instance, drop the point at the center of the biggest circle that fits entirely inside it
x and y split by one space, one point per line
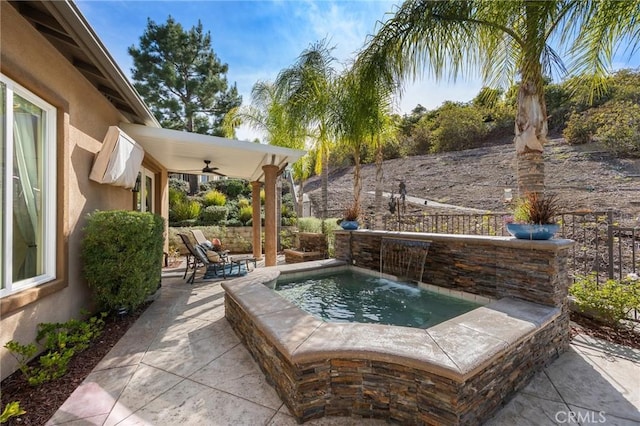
270 232
257 225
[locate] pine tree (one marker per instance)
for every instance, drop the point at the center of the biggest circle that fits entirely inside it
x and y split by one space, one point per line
181 78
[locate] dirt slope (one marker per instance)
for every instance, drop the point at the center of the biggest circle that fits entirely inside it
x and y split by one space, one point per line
584 177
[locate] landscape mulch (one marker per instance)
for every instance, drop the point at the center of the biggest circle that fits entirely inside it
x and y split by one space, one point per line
627 335
41 402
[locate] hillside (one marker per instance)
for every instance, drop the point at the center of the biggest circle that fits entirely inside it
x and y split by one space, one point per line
584 177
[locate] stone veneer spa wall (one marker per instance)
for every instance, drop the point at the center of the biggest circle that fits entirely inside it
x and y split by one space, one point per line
493 267
456 373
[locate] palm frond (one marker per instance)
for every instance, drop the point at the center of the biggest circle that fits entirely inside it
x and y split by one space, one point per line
601 27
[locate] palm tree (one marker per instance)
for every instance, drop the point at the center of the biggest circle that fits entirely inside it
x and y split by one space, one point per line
268 113
505 40
308 91
348 122
364 107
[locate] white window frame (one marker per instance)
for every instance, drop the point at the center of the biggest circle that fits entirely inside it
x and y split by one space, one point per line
48 192
144 174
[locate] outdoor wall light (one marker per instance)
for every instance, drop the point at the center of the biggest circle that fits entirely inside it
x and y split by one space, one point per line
136 186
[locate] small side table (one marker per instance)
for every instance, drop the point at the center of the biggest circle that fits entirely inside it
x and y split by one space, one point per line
246 259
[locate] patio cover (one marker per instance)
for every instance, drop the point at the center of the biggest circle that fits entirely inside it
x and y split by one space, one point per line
184 152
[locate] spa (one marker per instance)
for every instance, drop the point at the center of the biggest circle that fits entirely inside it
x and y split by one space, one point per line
458 371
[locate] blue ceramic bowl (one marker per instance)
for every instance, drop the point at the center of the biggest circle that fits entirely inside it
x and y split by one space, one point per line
525 231
349 225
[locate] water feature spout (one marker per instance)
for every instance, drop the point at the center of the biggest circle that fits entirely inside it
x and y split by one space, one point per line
403 257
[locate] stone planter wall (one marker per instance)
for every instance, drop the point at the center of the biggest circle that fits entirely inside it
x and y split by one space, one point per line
494 267
236 239
309 246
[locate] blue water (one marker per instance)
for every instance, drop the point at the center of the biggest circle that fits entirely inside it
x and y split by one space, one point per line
353 297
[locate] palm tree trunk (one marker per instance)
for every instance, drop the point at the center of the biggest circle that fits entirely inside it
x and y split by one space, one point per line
530 136
379 184
325 183
357 179
300 203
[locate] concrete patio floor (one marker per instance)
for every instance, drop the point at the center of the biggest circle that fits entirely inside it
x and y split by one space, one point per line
182 364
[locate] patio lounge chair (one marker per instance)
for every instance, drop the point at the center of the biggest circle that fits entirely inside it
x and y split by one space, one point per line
213 245
199 254
191 259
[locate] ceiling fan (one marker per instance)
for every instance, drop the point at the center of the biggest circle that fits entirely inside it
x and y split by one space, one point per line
208 169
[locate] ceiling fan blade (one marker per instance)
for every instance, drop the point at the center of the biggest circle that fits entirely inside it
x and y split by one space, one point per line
207 168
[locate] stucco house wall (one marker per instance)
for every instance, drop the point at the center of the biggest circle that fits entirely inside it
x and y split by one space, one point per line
83 117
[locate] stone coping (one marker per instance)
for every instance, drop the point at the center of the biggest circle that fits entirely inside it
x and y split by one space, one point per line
456 349
551 245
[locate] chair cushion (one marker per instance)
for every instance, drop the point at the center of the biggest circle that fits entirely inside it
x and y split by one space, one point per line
212 256
207 245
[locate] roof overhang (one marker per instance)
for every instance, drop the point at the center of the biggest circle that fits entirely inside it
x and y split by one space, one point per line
64 26
184 152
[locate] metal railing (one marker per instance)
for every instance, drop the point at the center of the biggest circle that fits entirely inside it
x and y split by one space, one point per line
602 246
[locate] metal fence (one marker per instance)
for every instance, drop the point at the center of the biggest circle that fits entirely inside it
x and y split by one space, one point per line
603 247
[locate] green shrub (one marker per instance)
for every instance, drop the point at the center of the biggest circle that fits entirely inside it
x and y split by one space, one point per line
615 124
185 210
245 214
618 126
579 129
288 208
60 341
611 301
12 409
176 196
214 215
243 202
122 253
236 187
288 221
457 127
214 198
232 207
232 188
315 225
287 239
234 222
179 185
310 224
327 228
189 223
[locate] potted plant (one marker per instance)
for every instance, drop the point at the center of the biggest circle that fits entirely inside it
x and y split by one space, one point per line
350 218
534 217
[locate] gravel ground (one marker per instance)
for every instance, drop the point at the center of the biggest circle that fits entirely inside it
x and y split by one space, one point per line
584 177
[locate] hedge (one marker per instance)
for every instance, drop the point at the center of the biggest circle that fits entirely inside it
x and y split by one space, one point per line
122 253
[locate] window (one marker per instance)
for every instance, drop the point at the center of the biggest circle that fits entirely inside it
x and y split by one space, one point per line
27 188
145 197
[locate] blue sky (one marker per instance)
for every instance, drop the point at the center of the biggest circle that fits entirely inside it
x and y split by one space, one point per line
258 38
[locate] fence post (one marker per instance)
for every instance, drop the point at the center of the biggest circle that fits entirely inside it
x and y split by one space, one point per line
610 243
